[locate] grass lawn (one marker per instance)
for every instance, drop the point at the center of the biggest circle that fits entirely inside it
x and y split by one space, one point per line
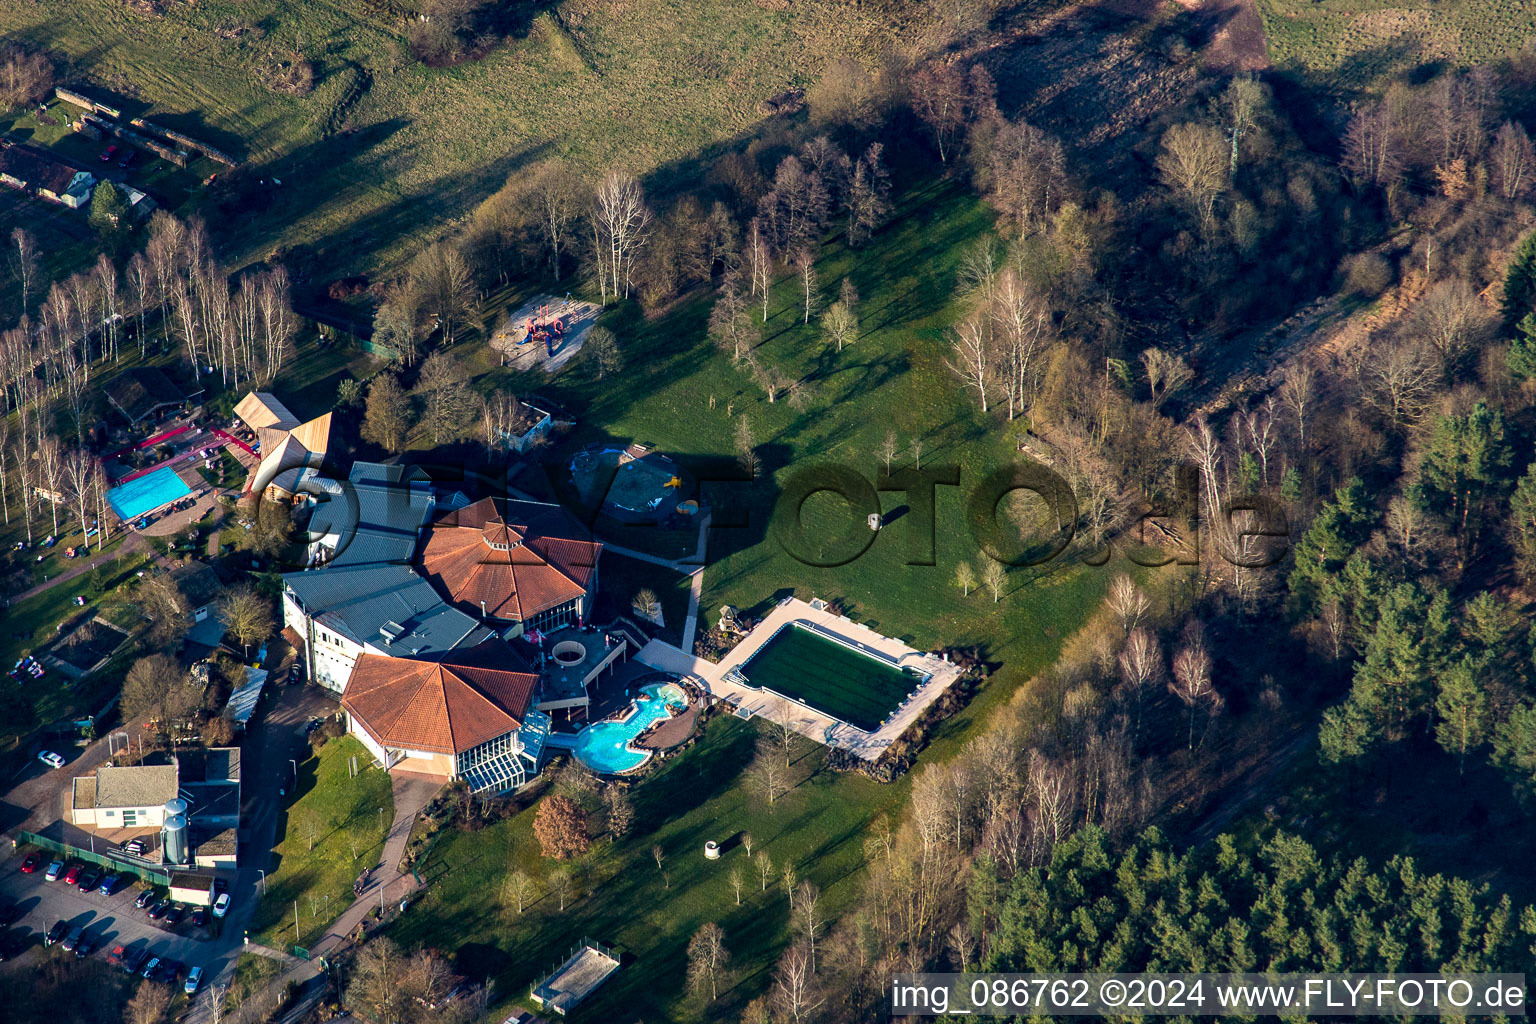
252 972
682 395
384 150
27 626
621 577
648 913
332 829
1359 43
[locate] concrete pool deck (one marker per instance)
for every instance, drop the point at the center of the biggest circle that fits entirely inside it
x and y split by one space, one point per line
807 721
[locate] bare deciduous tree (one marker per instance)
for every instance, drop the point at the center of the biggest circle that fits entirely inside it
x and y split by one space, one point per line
970 358
1297 392
796 994
840 325
965 578
1193 164
621 224
994 575
519 888
707 958
1167 374
1191 681
1513 161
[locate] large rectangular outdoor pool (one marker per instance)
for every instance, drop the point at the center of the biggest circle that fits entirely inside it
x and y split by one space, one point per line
829 676
147 493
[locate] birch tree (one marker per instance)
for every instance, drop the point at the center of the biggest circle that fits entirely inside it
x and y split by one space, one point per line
970 358
622 221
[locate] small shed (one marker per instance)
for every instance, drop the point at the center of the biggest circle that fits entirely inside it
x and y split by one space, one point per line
193 888
199 587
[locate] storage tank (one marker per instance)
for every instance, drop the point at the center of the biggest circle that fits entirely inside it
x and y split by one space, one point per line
173 839
174 806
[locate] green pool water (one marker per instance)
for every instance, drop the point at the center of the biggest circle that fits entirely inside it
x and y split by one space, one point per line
830 677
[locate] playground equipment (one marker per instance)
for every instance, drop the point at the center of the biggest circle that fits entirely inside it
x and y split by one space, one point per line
546 328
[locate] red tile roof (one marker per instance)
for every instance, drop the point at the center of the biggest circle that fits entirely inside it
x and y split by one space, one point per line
444 705
514 559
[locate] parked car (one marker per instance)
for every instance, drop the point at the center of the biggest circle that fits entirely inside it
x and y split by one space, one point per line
145 898
194 979
198 917
56 933
31 862
170 970
117 955
10 944
221 905
90 878
219 885
159 910
55 868
83 948
50 759
134 959
134 846
73 938
151 969
73 874
109 885
108 153
175 913
128 158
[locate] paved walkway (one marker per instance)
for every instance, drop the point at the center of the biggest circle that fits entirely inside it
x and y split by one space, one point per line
808 722
412 793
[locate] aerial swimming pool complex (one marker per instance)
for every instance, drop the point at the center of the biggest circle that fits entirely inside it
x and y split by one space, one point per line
146 493
606 746
830 676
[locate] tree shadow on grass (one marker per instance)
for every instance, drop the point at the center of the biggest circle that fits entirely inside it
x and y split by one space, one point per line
691 781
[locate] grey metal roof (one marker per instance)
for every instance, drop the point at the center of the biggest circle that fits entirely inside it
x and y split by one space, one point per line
377 518
369 591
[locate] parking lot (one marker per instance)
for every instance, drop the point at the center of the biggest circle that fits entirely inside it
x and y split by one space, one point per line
108 920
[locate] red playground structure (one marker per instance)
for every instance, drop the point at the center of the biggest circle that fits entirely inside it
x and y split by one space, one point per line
545 328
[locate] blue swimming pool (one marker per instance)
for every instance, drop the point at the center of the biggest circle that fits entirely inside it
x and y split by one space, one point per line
147 493
605 747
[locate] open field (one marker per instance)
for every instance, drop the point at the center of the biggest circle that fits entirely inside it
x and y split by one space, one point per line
386 150
332 828
1355 43
893 377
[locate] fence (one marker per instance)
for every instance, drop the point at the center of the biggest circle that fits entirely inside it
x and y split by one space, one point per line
111 859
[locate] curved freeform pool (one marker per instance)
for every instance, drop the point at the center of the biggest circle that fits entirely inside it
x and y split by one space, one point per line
605 746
